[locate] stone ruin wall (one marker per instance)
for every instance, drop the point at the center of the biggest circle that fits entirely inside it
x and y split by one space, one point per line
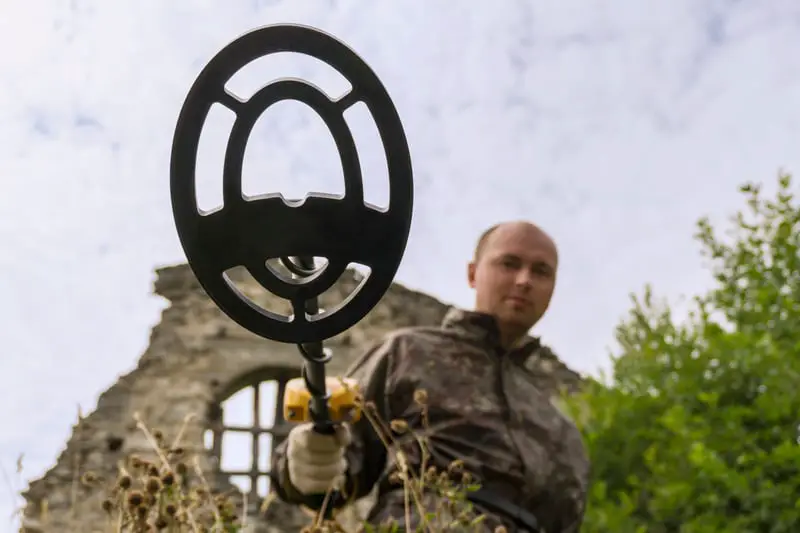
195 354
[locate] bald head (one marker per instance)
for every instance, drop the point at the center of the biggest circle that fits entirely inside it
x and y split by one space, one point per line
513 274
520 227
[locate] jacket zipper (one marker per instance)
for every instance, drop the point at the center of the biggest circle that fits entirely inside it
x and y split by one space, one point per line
506 408
501 389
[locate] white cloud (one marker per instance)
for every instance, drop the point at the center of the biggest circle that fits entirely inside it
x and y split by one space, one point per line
614 124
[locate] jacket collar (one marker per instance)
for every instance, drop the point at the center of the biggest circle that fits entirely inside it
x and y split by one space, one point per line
484 328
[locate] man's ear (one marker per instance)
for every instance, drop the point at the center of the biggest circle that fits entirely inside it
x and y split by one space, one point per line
471 274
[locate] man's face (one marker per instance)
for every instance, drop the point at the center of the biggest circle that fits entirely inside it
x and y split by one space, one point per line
514 276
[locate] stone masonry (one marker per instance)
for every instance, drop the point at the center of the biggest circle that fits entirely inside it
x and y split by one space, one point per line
195 354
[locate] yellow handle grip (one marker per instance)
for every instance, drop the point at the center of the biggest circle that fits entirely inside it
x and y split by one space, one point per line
342 404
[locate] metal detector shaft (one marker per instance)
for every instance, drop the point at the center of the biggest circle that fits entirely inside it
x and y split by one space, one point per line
315 359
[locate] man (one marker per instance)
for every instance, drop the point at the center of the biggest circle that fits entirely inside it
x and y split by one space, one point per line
482 407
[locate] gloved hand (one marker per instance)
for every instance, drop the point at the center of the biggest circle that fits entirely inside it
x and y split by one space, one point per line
316 461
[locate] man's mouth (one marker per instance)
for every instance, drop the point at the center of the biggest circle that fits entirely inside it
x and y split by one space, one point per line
519 300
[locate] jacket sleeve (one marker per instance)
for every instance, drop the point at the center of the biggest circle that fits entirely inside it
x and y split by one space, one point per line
366 454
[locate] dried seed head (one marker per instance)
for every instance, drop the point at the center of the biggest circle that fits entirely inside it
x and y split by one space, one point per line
456 467
135 498
430 474
153 485
168 479
421 396
170 509
399 426
125 482
153 471
108 505
181 469
135 462
161 523
89 478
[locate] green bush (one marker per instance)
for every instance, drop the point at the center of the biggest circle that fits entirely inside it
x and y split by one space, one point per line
697 430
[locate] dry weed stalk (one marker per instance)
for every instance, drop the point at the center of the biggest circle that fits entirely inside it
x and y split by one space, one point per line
170 494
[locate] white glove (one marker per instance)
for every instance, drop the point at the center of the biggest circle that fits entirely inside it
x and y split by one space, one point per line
316 461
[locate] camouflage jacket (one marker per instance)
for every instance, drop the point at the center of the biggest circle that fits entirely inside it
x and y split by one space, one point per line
483 407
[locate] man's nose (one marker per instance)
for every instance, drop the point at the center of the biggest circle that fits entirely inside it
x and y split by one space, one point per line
524 277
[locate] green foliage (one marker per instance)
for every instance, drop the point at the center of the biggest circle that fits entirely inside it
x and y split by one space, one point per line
697 431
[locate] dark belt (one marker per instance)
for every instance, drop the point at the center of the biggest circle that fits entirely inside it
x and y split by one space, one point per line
501 506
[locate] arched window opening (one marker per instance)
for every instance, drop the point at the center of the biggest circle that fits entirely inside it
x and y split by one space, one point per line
245 428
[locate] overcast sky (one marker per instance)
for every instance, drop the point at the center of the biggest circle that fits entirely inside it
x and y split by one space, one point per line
613 124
